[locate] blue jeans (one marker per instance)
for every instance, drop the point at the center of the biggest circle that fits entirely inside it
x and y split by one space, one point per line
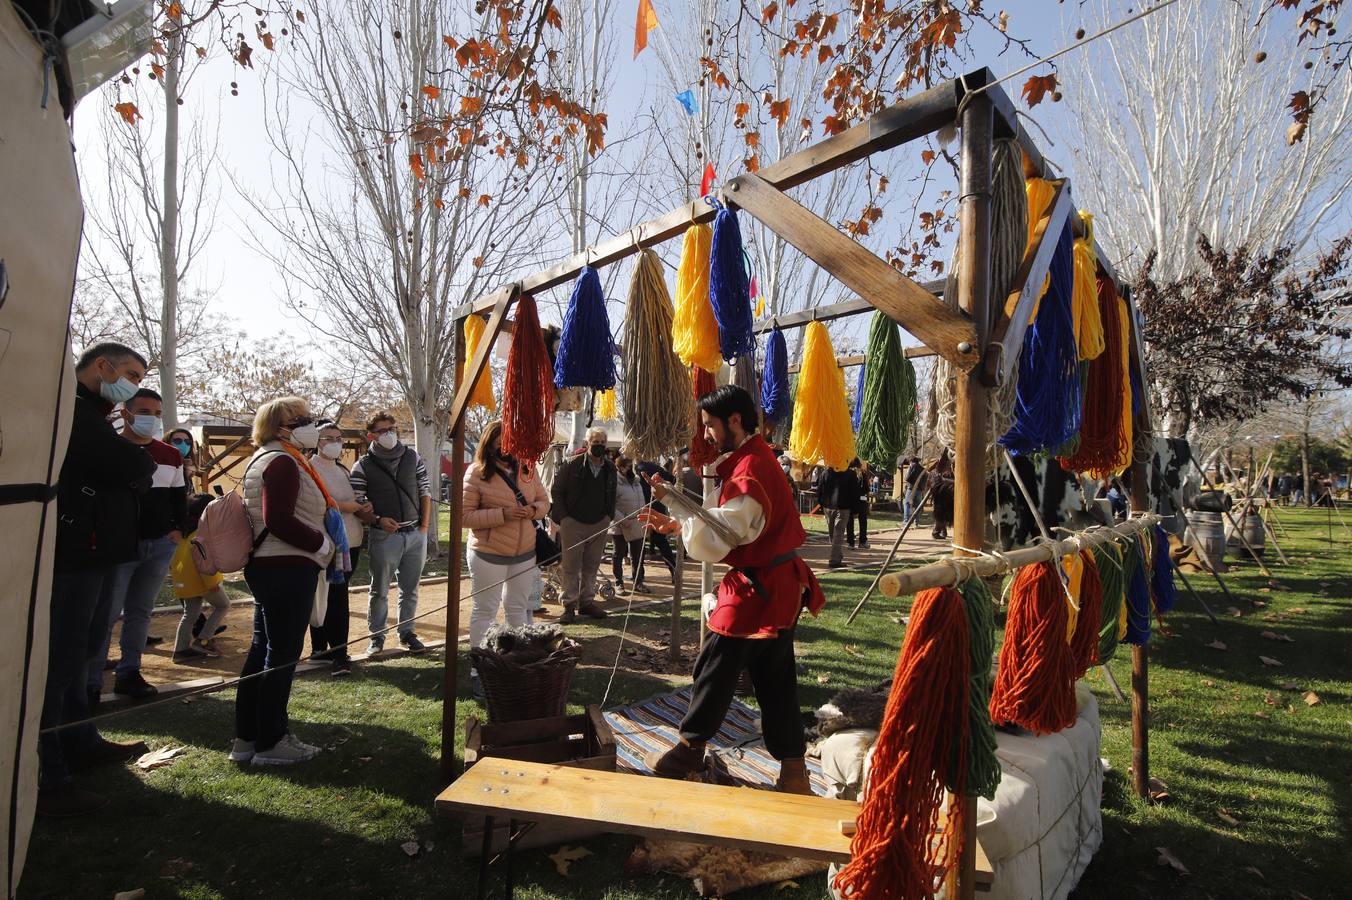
75 631
132 589
397 554
283 596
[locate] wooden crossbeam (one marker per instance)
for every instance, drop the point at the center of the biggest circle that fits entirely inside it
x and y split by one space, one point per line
846 362
915 309
841 310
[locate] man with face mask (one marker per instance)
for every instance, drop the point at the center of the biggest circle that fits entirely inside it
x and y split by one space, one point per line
583 505
393 479
135 584
754 528
96 505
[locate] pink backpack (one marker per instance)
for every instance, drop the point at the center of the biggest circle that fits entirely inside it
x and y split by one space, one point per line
224 540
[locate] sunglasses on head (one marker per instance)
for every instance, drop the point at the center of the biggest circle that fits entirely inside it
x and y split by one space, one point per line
300 422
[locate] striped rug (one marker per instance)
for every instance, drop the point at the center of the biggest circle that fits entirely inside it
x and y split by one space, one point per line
653 724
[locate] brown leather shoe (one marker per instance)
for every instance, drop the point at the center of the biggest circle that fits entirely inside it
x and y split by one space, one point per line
681 760
569 614
64 802
592 611
105 752
793 777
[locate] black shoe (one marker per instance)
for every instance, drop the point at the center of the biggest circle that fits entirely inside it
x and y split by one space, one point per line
863 545
95 696
835 564
105 752
591 610
411 643
641 588
134 685
191 654
850 544
342 667
569 614
152 640
64 802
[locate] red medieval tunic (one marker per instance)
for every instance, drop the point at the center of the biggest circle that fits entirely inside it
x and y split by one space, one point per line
767 584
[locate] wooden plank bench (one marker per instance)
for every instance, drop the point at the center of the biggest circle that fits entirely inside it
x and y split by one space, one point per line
784 824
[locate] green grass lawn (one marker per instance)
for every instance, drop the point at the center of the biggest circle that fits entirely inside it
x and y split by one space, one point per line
1259 782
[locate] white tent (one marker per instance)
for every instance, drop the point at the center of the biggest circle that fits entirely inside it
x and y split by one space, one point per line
39 241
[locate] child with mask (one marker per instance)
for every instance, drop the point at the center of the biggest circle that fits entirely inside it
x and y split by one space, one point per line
193 589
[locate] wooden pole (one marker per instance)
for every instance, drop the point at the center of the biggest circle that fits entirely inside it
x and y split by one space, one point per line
450 770
970 437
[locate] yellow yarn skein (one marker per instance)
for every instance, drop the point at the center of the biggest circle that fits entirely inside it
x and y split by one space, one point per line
1124 316
822 430
1073 566
694 330
1084 300
482 395
605 405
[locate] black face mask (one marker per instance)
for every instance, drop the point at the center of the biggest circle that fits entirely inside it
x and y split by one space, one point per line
504 457
598 450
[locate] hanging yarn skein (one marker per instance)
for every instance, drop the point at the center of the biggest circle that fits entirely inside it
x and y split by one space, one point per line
821 413
729 286
886 405
1162 588
694 330
898 849
1047 407
607 407
701 451
776 398
528 389
1137 599
658 398
983 769
482 395
857 415
1089 337
586 355
1105 445
1084 642
1108 562
1035 684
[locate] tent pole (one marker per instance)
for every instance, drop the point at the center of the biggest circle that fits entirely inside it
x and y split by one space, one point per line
449 769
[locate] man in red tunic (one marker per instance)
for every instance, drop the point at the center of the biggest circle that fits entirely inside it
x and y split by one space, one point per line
756 531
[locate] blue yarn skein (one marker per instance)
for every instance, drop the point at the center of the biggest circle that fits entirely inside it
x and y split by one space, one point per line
859 399
1138 596
1162 577
776 394
729 286
1047 409
586 355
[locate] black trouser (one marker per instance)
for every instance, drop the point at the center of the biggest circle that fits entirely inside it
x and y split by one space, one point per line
634 550
862 516
774 676
333 633
283 596
659 540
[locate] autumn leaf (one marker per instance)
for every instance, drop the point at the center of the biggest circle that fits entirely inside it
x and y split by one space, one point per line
156 759
1037 87
753 163
470 106
431 91
779 111
1300 106
174 11
450 42
552 17
439 203
425 133
1274 636
157 69
128 112
1002 22
266 38
300 16
1269 661
484 200
478 262
1311 698
769 12
927 156
752 139
565 856
741 109
1166 858
244 54
416 164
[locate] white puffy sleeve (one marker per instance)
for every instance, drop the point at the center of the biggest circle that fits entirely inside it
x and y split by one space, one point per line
741 518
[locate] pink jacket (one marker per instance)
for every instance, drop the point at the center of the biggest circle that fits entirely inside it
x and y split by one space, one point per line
483 512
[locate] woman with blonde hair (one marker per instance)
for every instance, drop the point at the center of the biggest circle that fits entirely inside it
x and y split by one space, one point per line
501 502
288 507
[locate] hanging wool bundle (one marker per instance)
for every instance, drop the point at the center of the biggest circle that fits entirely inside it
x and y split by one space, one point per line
1084 641
821 414
1137 602
528 389
606 405
857 416
694 330
1162 588
983 769
586 350
658 402
1089 335
1128 420
744 376
729 287
898 849
1034 687
1105 448
885 407
1039 193
702 451
1108 563
482 395
1047 408
776 401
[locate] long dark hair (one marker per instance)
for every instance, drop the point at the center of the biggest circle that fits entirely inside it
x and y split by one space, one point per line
488 463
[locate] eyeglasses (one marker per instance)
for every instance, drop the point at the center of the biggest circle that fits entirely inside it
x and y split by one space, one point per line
300 422
330 439
390 430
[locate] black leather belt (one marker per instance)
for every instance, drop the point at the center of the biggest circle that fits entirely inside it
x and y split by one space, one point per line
749 572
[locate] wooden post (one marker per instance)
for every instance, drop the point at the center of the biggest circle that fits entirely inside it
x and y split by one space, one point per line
970 437
454 552
678 589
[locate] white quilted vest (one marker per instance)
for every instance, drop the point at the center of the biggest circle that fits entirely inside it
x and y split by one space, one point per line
310 504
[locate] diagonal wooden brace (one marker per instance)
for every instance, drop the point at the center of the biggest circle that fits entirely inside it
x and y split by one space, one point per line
915 309
497 322
1027 288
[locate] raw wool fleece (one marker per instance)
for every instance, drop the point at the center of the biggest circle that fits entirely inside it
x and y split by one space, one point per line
658 397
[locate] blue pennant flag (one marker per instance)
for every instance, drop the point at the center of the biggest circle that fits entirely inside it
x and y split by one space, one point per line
687 99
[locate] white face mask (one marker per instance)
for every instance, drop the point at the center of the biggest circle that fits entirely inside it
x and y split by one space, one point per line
148 426
389 440
305 437
332 451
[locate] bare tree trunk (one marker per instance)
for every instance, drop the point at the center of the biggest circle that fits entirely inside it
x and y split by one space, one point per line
1305 464
169 238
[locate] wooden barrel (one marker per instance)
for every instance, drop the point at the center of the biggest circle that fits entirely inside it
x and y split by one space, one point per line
1253 533
1206 533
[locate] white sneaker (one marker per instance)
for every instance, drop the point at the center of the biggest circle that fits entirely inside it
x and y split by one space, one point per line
242 751
285 752
374 647
301 744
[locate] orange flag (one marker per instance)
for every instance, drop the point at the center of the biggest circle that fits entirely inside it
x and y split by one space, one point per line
647 21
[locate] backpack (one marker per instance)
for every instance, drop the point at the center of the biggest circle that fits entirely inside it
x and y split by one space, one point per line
224 541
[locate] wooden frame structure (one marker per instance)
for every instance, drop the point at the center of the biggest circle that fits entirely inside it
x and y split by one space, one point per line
969 330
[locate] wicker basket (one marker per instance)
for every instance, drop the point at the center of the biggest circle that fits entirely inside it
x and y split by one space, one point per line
537 690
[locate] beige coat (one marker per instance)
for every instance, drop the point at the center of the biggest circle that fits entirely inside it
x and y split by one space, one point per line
483 512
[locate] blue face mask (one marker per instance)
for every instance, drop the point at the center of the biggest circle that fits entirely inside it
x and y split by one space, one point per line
183 447
148 426
119 391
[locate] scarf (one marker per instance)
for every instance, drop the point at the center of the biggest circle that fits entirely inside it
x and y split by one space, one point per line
341 563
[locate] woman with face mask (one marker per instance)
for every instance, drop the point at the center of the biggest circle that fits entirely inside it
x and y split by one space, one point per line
628 534
501 545
287 504
329 640
181 439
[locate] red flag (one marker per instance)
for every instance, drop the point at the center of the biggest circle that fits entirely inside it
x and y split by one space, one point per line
708 180
647 21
